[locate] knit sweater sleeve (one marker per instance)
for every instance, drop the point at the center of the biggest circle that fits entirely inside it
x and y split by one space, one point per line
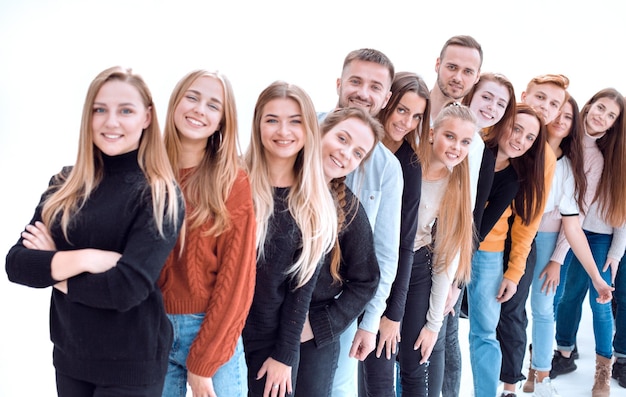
231 296
31 267
523 235
360 274
137 271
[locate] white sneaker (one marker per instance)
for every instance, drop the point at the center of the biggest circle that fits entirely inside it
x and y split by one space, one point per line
545 389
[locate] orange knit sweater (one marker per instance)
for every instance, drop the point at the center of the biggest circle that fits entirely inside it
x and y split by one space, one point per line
521 235
215 276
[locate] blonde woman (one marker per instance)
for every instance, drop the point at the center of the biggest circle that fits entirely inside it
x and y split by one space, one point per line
442 252
100 237
208 279
296 227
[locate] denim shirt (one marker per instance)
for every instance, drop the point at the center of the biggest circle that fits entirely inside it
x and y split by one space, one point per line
379 186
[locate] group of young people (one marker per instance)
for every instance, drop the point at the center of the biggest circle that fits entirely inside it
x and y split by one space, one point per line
331 258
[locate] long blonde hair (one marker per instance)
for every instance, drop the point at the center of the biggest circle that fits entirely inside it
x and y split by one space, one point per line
208 186
309 201
87 172
455 227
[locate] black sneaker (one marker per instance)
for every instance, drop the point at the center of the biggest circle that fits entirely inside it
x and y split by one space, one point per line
575 353
561 365
619 372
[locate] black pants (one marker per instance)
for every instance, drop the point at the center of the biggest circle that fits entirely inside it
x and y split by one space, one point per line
254 361
316 370
376 375
70 387
511 331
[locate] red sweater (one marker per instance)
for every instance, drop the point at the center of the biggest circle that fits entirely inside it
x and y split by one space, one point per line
215 276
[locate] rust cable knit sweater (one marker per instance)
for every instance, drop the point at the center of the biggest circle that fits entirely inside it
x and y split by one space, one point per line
215 275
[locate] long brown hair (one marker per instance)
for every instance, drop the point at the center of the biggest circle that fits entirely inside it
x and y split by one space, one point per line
572 147
337 185
611 192
528 202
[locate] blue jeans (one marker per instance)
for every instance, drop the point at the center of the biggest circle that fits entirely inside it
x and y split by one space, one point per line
345 383
570 306
229 380
542 305
453 359
561 287
484 314
619 339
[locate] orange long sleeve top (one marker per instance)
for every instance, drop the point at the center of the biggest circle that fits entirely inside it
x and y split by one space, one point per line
521 235
215 275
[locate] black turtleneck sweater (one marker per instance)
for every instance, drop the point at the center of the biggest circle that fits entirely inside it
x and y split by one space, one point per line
110 327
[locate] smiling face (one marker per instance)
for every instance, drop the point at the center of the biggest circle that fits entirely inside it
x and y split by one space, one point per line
489 103
405 117
457 71
345 146
365 85
119 117
546 99
199 112
522 136
282 132
601 116
450 142
561 127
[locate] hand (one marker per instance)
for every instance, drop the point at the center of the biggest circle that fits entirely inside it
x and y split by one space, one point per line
37 237
552 273
453 297
307 331
604 290
389 337
200 386
613 264
426 341
507 289
277 374
362 344
100 261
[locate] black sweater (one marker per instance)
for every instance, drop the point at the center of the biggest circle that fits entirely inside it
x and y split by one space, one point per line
110 327
334 305
278 310
503 191
412 174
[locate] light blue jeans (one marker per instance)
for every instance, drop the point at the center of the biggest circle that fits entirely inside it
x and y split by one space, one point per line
570 307
229 380
484 314
346 381
542 305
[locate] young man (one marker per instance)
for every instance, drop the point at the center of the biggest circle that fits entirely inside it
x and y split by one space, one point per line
365 82
547 95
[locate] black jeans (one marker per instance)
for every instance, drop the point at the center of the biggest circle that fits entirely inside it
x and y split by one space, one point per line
376 375
70 387
511 331
425 379
316 370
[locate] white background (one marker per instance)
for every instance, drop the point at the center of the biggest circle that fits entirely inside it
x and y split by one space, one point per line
51 50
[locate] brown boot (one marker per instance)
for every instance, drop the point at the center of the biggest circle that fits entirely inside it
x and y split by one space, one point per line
602 384
529 385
